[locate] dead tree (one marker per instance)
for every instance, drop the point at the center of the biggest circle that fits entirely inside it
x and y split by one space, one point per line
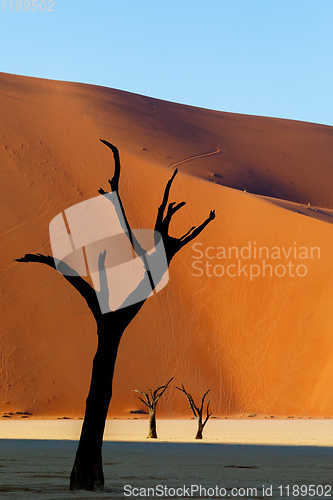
151 401
197 412
87 472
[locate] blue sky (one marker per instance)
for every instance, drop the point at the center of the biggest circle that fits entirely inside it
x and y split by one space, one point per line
262 57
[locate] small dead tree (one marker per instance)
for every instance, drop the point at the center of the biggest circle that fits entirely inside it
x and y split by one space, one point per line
151 401
197 412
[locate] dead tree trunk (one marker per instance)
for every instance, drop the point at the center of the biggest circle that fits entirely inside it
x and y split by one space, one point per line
197 412
200 429
87 472
152 424
151 400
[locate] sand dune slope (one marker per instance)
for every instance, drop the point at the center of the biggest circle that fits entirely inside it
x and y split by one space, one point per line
261 345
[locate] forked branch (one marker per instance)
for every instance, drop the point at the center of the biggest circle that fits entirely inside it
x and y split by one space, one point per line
154 396
197 412
173 245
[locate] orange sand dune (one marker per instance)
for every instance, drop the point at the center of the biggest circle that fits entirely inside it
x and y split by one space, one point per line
261 345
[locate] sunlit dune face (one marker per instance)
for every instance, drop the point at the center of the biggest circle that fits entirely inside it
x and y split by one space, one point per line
261 345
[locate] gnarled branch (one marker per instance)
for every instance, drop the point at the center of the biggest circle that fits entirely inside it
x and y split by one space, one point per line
197 412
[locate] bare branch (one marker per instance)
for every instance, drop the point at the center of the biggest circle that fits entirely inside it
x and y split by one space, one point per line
172 209
145 402
173 245
186 234
152 396
197 230
148 403
160 212
164 387
208 415
193 407
39 258
202 401
114 182
82 286
195 410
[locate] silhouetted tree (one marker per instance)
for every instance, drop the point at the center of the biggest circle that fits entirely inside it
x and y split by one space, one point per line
87 472
151 401
197 412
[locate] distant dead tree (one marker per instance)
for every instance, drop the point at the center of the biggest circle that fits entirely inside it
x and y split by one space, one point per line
87 473
151 401
197 412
